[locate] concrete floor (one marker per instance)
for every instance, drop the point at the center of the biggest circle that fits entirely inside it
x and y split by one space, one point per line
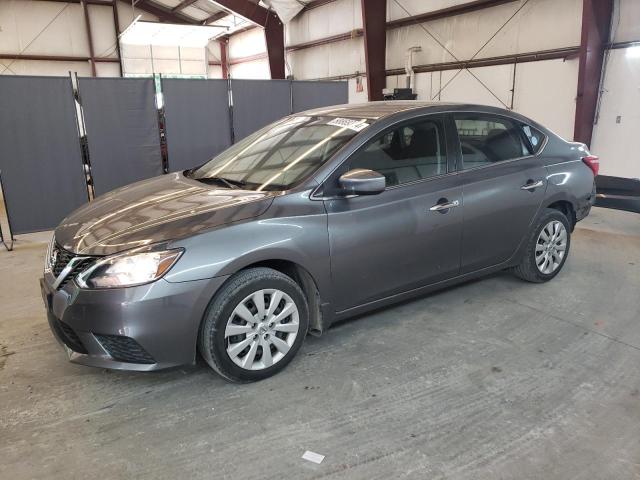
494 379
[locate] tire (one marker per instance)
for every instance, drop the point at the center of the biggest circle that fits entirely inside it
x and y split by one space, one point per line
528 268
235 333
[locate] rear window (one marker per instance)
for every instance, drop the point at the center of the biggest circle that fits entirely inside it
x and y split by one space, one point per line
485 139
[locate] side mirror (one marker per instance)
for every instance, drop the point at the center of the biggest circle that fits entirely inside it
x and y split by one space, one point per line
362 182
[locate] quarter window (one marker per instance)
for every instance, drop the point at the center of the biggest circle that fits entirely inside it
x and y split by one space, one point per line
405 154
535 137
485 140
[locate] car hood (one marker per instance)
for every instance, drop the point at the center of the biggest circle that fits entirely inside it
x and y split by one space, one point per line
164 208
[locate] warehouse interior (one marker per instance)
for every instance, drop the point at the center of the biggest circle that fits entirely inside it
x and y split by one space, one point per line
490 379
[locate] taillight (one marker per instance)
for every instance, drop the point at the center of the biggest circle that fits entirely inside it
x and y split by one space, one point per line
593 162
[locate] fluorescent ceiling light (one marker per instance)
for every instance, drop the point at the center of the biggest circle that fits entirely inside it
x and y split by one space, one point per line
166 34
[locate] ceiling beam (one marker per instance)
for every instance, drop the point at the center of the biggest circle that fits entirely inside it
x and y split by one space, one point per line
183 4
316 3
215 17
374 18
249 10
106 3
565 53
163 13
273 30
596 21
55 58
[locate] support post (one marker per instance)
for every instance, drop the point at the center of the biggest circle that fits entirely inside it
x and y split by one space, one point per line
274 36
596 21
92 55
273 30
374 20
224 59
116 23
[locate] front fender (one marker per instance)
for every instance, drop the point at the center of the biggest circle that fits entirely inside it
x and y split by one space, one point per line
299 239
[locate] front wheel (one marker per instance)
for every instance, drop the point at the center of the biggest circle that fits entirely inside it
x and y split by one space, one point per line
547 248
254 325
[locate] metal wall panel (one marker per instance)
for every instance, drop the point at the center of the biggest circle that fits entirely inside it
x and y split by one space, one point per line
197 120
40 155
122 130
257 103
314 94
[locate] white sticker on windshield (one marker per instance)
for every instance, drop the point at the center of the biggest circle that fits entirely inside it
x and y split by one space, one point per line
349 123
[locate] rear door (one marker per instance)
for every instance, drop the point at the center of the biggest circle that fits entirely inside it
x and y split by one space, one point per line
395 241
503 186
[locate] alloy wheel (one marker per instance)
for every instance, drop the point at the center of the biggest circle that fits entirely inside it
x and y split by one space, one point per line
262 329
551 247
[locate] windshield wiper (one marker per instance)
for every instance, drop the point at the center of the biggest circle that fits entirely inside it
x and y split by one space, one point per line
228 182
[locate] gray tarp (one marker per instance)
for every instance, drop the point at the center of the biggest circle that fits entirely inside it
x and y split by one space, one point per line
313 94
257 103
197 120
122 130
40 157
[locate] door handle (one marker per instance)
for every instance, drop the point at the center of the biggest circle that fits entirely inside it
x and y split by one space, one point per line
439 207
532 185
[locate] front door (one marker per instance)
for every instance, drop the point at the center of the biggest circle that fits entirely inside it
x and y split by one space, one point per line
401 239
503 187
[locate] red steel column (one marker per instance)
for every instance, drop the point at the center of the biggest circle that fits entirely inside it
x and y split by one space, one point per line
596 21
224 59
92 56
274 35
374 21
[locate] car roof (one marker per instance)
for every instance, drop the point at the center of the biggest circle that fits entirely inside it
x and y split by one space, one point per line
378 110
375 111
371 110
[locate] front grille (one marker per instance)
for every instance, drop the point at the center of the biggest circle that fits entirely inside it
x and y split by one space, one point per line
63 257
69 337
124 349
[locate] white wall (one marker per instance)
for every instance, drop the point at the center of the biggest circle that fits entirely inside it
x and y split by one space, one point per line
540 25
626 21
147 59
619 116
34 27
544 90
246 44
332 60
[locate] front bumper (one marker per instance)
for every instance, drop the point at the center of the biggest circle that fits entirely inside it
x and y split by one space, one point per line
148 327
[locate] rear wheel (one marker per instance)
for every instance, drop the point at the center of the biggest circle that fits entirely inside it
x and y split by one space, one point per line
254 325
547 248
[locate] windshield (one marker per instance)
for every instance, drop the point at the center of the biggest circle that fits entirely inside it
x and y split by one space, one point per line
280 155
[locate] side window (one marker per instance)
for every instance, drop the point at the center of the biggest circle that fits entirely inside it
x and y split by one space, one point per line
485 140
535 137
405 154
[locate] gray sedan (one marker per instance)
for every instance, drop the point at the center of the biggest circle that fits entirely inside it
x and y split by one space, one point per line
317 217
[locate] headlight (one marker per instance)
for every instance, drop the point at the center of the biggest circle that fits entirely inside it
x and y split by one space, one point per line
127 269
